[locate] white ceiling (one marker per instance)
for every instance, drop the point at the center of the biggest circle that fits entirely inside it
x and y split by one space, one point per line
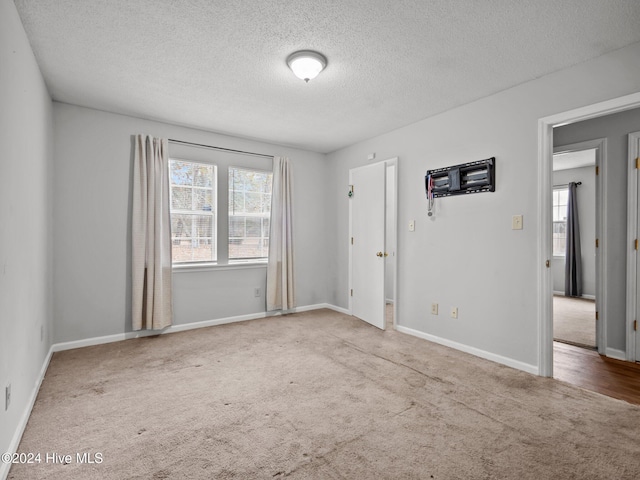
577 159
220 65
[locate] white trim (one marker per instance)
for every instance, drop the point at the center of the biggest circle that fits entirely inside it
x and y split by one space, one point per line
545 155
22 424
510 362
631 253
201 267
118 337
617 354
600 146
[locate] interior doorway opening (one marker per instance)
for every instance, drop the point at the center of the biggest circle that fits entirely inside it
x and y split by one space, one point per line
545 173
575 202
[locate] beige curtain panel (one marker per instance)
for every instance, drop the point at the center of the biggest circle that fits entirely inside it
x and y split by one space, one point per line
151 236
280 280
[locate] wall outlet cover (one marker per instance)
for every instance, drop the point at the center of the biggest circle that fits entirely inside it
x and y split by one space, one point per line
434 309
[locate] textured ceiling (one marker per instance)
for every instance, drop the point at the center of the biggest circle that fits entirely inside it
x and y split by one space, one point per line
220 65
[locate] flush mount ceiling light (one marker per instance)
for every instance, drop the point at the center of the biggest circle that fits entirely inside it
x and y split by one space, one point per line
306 64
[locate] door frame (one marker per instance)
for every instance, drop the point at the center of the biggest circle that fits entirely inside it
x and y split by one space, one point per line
387 162
545 182
600 146
632 234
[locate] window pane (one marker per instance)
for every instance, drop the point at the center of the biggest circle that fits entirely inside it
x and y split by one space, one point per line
203 175
181 198
202 199
181 172
249 207
193 229
253 202
238 202
563 197
236 226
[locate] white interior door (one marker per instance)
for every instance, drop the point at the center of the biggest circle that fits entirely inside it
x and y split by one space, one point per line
367 232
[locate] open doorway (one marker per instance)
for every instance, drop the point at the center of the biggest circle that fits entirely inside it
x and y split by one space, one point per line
612 328
573 264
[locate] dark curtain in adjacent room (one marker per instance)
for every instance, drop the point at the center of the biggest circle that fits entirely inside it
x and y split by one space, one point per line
573 255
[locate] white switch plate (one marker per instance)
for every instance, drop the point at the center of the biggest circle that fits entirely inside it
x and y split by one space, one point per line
454 312
412 225
516 222
434 309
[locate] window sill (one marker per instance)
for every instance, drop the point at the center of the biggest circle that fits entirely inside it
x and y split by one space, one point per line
203 267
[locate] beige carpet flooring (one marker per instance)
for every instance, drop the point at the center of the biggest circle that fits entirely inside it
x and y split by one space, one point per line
317 395
574 320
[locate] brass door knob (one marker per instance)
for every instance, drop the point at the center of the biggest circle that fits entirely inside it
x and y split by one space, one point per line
379 254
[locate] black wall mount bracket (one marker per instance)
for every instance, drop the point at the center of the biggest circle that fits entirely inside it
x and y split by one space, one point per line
463 179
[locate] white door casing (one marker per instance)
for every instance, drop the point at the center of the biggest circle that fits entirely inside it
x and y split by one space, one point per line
545 155
367 243
633 236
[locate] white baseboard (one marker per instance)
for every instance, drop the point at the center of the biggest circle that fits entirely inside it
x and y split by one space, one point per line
615 353
17 435
59 347
510 362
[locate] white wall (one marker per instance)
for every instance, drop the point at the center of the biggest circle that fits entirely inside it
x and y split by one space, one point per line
26 139
467 255
586 194
615 129
92 207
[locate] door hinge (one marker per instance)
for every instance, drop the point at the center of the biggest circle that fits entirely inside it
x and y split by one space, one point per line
351 240
548 263
597 243
638 162
635 325
597 170
636 244
597 316
352 292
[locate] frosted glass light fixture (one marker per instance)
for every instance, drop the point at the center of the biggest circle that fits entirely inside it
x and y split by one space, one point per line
306 64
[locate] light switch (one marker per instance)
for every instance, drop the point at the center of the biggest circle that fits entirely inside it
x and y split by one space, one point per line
412 225
516 222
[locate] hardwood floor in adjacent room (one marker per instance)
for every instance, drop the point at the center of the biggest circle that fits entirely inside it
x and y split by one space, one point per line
587 369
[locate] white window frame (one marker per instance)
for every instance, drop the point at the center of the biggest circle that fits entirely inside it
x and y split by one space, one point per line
261 215
213 213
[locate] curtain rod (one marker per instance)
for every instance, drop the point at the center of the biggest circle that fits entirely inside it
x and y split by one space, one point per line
230 150
566 184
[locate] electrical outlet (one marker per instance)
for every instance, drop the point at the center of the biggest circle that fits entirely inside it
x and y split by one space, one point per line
454 312
7 397
412 226
256 292
434 309
516 222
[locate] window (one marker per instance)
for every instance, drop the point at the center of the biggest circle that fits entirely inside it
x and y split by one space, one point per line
196 215
560 200
249 213
193 211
